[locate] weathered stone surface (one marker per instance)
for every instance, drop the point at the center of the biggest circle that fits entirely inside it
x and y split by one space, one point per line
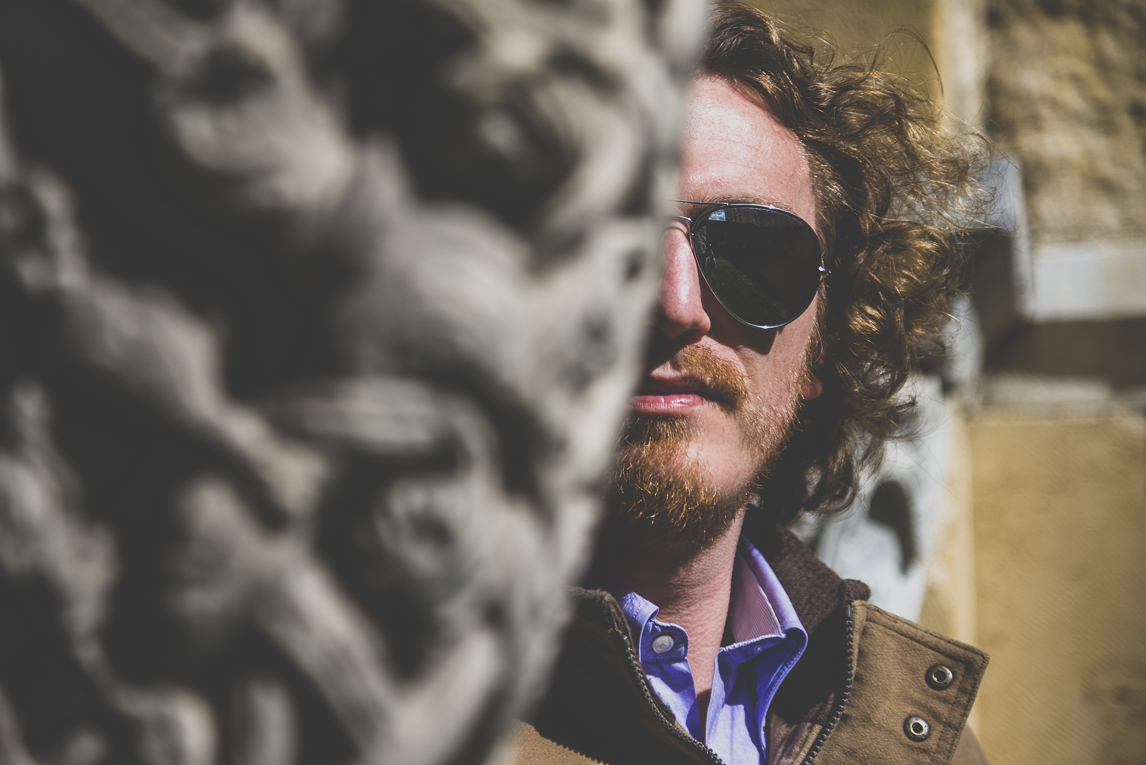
1067 90
317 321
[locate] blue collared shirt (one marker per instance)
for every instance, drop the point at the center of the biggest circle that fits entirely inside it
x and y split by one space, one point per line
768 640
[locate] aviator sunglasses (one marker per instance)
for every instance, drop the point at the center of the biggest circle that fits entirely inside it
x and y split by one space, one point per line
762 263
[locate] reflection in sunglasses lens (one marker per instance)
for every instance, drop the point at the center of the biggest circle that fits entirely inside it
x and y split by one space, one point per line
762 264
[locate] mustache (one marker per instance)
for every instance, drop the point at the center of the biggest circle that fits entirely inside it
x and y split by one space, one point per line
723 380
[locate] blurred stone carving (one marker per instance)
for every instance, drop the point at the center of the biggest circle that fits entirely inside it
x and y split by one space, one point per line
317 322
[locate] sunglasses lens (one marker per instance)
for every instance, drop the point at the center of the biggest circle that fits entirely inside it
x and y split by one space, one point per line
762 264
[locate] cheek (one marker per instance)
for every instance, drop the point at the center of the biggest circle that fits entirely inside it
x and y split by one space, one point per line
798 341
779 374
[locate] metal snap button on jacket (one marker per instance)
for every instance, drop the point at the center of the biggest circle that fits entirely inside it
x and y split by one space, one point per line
916 728
940 677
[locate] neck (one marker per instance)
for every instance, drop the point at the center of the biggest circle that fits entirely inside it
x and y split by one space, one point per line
693 594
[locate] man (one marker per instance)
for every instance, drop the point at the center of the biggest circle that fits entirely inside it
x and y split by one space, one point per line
803 276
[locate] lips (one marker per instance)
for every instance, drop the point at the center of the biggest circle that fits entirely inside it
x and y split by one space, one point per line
660 394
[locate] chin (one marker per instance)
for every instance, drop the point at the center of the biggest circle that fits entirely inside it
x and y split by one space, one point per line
665 502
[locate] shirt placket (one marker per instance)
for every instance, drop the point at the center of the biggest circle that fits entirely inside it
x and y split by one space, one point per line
664 655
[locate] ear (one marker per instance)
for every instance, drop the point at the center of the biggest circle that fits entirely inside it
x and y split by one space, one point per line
812 388
815 386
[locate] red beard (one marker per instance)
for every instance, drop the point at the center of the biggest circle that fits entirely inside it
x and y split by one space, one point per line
666 504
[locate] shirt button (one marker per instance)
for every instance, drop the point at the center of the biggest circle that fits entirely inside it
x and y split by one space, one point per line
663 644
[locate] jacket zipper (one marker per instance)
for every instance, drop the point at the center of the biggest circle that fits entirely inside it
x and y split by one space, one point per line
838 706
688 740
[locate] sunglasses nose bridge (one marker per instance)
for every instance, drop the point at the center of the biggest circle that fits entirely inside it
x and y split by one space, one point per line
677 224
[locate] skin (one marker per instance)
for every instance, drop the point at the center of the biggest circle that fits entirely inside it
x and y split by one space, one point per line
733 151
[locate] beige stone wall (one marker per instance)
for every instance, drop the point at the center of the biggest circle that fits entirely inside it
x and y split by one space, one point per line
1060 550
1067 94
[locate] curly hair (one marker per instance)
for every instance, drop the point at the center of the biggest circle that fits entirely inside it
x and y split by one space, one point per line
890 184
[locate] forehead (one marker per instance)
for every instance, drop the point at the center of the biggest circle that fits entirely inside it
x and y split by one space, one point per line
734 150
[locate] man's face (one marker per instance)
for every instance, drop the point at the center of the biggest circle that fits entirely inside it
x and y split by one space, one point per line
719 398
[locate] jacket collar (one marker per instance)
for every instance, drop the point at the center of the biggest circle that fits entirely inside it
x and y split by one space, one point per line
600 700
820 598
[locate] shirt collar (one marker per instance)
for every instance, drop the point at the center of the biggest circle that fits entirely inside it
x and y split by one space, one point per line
759 607
767 635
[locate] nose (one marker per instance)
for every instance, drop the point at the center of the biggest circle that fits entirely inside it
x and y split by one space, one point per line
680 307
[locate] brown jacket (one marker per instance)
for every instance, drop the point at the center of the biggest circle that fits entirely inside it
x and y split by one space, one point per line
870 688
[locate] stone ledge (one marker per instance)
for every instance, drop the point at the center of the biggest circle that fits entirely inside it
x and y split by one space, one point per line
1091 279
